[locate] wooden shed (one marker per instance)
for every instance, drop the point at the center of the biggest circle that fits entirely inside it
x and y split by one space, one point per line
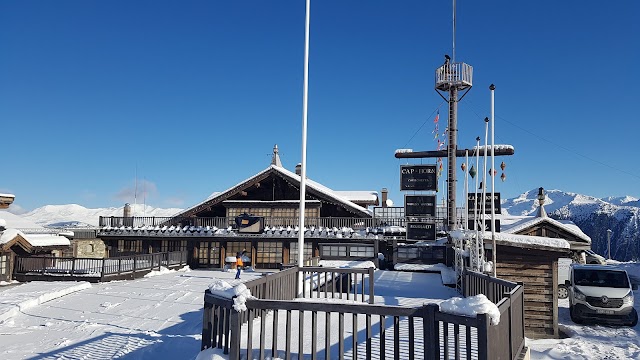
532 260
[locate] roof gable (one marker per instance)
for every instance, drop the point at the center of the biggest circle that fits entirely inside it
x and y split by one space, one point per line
526 223
313 188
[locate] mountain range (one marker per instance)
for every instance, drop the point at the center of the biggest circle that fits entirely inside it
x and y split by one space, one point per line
593 215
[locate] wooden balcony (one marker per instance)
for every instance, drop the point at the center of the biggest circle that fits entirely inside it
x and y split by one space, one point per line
225 222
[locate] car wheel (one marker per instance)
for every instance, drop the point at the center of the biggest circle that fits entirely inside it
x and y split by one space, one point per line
574 317
563 293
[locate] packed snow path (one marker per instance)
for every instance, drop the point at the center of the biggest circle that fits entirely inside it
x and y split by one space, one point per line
157 317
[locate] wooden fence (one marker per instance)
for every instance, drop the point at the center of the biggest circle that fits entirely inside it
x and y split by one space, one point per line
55 268
327 322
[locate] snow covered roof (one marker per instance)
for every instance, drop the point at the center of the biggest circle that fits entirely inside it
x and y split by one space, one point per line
311 186
528 241
369 197
514 224
35 240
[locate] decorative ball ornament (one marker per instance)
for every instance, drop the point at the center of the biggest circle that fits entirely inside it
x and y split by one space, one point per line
503 177
472 172
463 166
495 172
503 165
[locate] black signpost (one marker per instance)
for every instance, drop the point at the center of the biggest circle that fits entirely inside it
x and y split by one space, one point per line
418 177
471 200
419 205
421 231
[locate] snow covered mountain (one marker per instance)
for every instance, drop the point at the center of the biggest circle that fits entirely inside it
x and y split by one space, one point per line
73 215
593 215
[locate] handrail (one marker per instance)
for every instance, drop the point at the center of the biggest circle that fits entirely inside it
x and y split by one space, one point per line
222 326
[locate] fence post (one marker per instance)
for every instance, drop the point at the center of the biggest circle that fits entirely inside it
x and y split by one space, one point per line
371 281
73 266
119 265
431 332
103 267
234 338
483 337
135 263
44 264
206 325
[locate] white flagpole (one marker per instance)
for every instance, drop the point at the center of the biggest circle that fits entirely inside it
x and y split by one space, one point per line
303 168
466 191
479 245
483 215
493 182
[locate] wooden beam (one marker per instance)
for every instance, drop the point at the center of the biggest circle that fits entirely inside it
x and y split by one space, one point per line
443 153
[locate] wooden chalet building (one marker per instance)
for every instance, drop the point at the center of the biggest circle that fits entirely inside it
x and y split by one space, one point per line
259 215
528 249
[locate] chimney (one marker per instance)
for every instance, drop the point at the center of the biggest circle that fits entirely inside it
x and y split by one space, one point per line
298 169
385 195
541 197
127 210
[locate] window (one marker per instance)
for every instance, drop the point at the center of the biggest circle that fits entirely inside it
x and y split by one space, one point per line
269 254
209 253
4 264
361 251
235 247
293 252
334 250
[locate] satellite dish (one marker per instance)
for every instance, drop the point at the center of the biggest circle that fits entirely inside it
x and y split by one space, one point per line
389 202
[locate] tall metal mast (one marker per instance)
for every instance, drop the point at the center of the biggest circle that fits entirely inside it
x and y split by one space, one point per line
453 77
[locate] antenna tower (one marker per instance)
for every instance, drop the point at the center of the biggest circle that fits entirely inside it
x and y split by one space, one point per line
452 78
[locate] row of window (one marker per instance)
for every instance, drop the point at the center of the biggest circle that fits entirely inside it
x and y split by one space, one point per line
273 212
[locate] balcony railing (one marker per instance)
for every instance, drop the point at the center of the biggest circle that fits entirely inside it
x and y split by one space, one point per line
223 222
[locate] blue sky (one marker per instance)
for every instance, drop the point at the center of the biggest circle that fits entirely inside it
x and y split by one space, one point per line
192 95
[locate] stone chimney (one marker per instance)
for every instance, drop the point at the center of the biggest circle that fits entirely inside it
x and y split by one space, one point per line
298 169
385 196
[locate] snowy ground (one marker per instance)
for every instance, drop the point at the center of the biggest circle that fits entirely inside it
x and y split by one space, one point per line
592 341
159 317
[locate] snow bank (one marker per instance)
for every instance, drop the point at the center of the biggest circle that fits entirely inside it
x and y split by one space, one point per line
163 271
238 293
212 354
447 274
30 295
472 306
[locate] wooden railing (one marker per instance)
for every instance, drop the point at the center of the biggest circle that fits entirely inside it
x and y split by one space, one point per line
361 329
225 222
97 268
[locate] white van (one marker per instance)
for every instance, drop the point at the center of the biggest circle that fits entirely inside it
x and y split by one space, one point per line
601 293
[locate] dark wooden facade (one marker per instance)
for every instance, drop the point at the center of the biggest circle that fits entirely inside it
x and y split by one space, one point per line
264 252
538 270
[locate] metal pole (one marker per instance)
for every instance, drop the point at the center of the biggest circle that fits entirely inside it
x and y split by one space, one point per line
466 190
451 157
483 216
303 168
609 243
493 183
479 242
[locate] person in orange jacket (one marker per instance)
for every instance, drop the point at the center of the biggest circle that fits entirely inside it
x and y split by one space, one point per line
239 265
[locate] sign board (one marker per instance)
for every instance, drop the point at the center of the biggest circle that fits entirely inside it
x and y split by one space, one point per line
418 177
421 231
420 205
487 225
471 200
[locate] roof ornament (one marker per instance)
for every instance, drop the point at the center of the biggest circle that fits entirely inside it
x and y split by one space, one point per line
275 159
